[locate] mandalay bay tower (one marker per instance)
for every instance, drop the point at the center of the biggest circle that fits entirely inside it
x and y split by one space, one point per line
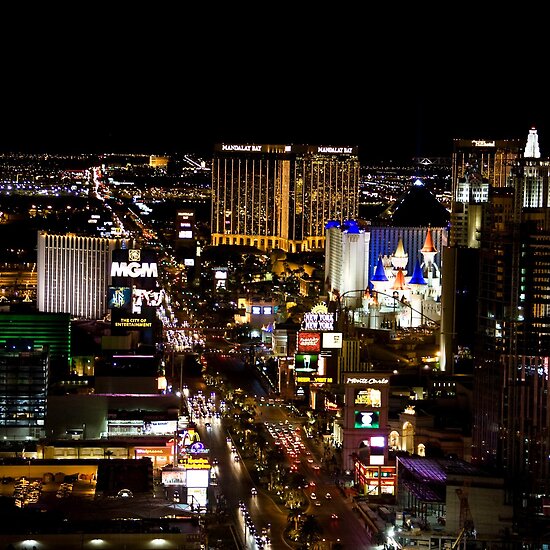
281 196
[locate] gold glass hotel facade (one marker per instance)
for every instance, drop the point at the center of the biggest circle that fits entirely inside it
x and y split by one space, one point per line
281 196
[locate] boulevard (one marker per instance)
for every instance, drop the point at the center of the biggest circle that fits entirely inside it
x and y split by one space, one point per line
341 526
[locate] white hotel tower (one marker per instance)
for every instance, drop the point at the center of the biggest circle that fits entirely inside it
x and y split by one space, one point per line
74 274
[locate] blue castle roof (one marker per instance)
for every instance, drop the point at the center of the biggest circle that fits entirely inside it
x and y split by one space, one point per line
417 277
379 273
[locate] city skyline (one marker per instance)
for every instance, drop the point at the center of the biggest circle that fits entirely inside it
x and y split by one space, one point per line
413 129
143 92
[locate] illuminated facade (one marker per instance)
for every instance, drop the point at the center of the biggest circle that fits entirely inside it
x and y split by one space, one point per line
346 261
281 196
50 331
23 390
477 165
479 168
405 293
73 274
365 432
135 294
512 358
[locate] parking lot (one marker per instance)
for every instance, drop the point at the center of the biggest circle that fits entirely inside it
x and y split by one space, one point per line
35 492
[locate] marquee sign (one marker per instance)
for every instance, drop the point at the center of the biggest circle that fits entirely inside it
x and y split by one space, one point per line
132 322
134 269
152 451
192 463
242 148
119 296
309 342
332 340
367 419
365 380
318 321
335 150
313 380
134 263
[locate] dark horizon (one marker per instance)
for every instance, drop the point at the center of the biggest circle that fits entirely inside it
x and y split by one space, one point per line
126 119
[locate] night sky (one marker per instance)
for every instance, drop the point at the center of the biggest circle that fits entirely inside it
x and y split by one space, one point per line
181 83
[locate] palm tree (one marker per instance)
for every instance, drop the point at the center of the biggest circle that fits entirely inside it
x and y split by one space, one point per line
259 440
294 517
310 531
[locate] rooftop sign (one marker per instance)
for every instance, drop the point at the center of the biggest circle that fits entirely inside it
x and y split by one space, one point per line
365 380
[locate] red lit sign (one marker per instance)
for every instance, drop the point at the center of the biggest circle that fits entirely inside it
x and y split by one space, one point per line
309 342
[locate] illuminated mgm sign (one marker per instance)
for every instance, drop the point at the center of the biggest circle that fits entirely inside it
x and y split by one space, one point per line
134 269
134 264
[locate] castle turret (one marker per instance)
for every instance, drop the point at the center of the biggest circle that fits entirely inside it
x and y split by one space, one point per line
400 258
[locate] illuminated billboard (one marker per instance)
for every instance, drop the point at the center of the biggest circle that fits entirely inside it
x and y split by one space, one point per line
306 362
332 340
367 419
309 342
119 297
185 222
121 319
220 277
134 267
173 477
144 297
318 321
368 397
198 478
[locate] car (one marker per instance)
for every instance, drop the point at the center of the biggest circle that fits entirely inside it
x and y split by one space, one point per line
254 491
334 516
328 496
313 496
176 496
317 503
236 458
125 493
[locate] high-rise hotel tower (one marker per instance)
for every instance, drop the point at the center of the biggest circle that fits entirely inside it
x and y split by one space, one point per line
511 420
74 274
281 196
479 168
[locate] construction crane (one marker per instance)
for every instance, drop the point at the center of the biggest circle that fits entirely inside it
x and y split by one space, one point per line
466 521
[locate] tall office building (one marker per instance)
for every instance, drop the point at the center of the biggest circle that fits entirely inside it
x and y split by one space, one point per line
51 331
477 165
281 196
511 424
24 372
73 274
478 168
